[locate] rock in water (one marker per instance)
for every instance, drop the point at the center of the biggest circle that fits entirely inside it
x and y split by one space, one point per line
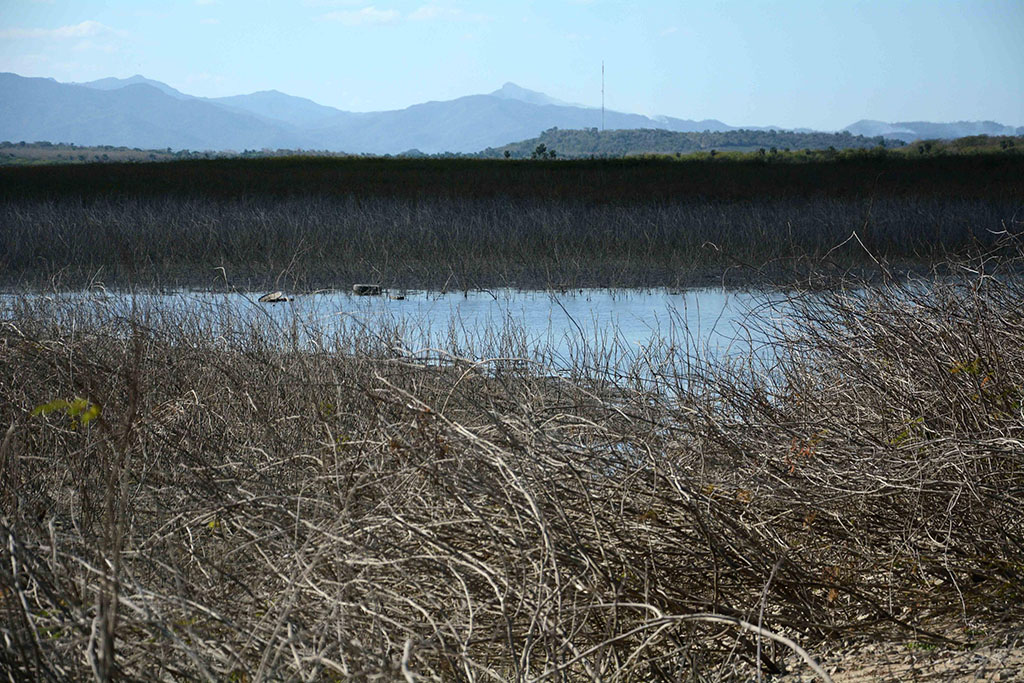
366 290
272 298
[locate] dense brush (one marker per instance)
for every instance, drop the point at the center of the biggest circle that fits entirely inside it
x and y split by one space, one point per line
187 498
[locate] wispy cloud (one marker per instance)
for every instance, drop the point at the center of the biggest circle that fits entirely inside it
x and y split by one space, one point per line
86 29
668 31
432 12
373 15
365 16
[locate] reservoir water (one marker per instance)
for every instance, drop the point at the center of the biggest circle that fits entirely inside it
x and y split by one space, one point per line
610 328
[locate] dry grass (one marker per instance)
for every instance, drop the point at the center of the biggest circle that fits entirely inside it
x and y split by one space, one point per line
244 509
305 244
304 224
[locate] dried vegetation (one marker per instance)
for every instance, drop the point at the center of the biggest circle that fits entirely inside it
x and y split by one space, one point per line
181 499
309 223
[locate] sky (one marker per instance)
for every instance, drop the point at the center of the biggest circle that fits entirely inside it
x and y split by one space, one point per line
787 63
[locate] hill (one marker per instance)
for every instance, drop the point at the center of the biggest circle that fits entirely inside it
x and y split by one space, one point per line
590 142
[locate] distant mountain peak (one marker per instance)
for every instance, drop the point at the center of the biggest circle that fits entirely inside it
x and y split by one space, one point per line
511 91
280 107
112 83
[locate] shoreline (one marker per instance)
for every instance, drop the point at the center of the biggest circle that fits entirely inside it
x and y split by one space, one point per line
724 279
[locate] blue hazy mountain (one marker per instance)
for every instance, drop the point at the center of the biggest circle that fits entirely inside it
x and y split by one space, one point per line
908 131
268 104
141 112
118 83
511 91
272 104
475 122
115 111
135 115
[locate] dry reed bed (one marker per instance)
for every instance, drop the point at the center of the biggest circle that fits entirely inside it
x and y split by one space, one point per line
244 510
467 243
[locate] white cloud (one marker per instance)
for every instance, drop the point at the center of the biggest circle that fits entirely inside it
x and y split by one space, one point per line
668 31
372 15
209 22
364 16
430 12
86 29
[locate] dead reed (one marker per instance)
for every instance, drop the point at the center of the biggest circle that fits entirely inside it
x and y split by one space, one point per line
307 243
181 498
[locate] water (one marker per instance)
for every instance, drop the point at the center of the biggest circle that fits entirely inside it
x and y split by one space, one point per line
607 329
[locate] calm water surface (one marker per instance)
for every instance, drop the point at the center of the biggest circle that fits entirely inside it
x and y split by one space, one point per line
612 326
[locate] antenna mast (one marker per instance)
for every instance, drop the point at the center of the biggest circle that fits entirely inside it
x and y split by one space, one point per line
602 95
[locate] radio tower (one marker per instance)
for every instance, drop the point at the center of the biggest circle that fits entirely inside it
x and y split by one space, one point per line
602 95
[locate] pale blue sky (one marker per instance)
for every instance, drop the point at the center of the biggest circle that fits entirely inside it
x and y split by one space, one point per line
788 63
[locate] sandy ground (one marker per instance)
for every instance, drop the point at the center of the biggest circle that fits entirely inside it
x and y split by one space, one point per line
1003 661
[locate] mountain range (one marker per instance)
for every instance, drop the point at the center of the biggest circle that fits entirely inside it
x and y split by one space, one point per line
908 131
141 112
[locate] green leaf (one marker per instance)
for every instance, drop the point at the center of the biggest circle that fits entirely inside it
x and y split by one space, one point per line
51 407
82 411
90 414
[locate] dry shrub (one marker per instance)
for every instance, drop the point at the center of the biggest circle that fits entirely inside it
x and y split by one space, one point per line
239 507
